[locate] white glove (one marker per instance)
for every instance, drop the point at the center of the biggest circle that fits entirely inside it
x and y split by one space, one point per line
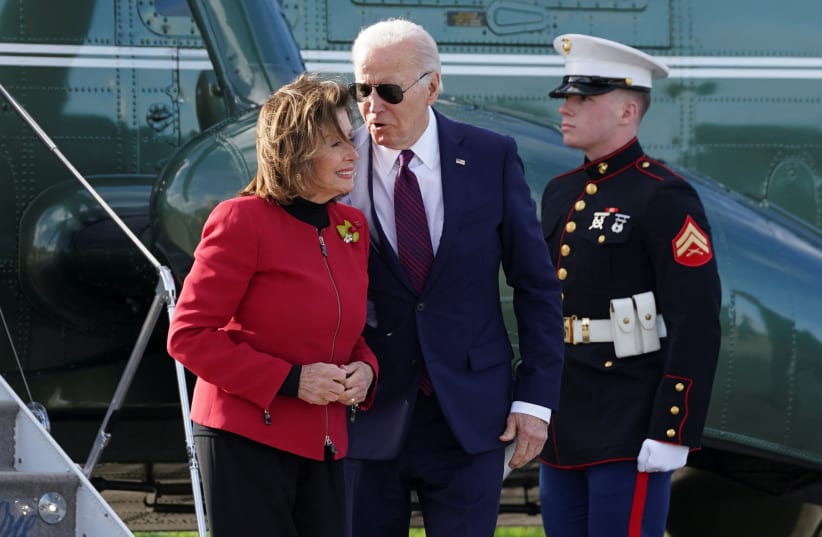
655 456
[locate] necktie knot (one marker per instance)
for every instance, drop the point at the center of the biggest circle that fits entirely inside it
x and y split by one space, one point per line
406 155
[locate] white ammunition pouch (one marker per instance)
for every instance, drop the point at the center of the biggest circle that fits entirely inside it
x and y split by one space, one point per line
635 325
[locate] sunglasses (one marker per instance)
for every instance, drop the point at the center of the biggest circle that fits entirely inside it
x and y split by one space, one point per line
390 93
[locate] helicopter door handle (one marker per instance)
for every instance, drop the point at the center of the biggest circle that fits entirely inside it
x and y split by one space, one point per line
158 117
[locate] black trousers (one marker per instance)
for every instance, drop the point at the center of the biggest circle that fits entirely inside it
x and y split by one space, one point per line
253 490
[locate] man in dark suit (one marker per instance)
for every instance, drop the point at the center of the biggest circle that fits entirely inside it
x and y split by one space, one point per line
447 403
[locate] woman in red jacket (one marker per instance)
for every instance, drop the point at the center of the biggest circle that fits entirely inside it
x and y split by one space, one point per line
269 319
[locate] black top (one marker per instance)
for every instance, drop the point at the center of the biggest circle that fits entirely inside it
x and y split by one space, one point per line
309 212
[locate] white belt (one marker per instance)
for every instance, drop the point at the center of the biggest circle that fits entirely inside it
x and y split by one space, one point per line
584 330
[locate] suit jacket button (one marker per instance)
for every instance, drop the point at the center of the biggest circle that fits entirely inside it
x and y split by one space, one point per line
421 306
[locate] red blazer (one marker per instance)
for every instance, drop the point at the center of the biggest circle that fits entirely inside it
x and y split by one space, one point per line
260 297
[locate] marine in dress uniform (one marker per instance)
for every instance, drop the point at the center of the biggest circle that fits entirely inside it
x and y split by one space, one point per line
641 298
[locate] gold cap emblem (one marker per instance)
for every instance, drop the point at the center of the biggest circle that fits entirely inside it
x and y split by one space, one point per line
566 45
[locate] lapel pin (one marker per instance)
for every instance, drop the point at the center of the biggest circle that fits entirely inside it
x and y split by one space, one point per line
461 162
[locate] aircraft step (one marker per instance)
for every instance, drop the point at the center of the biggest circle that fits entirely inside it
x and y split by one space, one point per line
43 493
23 494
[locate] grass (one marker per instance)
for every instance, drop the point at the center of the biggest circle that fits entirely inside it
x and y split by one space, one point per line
501 532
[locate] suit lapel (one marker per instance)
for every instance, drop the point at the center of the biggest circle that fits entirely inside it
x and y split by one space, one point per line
455 171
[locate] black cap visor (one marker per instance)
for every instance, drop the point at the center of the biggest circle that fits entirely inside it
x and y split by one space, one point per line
591 85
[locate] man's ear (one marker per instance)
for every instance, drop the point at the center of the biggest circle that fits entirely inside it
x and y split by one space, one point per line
433 87
630 111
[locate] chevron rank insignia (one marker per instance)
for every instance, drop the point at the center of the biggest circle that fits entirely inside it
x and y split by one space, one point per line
692 247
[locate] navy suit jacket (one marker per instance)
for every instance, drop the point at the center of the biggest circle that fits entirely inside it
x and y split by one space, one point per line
455 325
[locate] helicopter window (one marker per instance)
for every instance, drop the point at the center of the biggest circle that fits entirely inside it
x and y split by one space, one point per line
168 18
172 8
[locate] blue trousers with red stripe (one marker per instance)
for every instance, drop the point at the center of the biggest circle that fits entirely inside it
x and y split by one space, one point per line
604 500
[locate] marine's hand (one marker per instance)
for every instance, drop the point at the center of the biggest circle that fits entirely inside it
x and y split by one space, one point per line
530 432
321 383
359 377
656 456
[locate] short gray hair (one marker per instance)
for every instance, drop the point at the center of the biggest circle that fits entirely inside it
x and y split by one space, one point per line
392 31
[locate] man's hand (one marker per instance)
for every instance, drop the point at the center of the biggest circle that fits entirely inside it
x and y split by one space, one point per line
530 432
359 377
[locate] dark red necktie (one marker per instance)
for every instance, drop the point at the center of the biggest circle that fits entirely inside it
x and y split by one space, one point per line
413 239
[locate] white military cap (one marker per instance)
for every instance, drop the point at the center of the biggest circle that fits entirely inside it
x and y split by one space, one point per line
594 66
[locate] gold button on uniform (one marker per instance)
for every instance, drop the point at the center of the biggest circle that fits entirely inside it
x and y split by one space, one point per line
590 189
679 386
562 274
570 227
601 239
670 433
646 164
580 205
564 250
609 363
675 410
